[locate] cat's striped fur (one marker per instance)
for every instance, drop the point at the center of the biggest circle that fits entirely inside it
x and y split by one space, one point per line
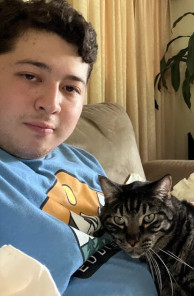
149 223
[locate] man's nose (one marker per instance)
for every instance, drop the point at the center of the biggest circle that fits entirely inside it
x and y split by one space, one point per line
49 100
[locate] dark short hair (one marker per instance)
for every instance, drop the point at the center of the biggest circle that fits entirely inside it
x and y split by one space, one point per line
57 16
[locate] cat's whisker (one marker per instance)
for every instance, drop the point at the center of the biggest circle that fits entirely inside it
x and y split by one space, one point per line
148 257
156 268
176 257
169 274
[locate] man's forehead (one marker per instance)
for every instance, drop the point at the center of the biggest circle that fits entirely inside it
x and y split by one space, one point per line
46 50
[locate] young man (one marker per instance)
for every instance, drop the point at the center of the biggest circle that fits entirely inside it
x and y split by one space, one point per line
49 192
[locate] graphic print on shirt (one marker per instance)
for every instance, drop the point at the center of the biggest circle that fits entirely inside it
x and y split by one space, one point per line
76 204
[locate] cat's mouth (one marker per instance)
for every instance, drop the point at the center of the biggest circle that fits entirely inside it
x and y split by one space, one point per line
136 251
135 255
133 252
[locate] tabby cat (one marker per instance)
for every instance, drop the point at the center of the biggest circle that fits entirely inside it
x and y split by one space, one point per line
149 223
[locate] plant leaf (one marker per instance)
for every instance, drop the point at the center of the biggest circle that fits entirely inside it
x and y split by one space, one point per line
159 83
162 64
165 66
174 39
190 58
186 89
175 75
156 79
177 57
156 104
192 78
162 71
180 18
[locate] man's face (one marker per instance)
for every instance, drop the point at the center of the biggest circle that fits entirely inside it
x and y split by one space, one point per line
42 88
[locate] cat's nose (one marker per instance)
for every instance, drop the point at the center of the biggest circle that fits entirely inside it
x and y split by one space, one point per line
132 240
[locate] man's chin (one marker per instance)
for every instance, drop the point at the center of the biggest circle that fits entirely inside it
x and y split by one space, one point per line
30 156
28 153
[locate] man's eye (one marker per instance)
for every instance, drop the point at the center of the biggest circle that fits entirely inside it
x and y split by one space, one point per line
29 76
71 89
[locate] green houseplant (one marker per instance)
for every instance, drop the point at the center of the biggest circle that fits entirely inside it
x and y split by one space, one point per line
174 63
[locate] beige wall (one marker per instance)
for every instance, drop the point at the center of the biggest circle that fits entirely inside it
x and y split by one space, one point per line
184 121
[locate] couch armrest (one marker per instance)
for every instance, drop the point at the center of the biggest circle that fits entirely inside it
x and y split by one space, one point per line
178 169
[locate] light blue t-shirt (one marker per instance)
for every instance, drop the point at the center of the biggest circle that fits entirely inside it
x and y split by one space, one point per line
49 209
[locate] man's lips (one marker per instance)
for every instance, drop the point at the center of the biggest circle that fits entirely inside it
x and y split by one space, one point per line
41 128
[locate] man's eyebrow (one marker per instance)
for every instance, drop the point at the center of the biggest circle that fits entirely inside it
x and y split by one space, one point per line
35 63
49 69
75 78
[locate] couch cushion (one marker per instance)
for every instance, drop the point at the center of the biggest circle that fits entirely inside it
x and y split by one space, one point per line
105 130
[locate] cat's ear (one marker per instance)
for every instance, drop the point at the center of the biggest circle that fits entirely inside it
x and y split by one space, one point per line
163 187
109 188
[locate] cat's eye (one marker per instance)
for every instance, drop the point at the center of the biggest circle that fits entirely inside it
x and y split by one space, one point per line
119 220
149 218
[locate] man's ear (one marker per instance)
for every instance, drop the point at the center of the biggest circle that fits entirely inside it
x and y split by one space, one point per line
109 188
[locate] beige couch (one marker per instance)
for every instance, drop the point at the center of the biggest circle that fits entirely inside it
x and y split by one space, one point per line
105 130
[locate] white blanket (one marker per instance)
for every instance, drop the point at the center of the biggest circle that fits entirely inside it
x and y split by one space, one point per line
21 275
184 189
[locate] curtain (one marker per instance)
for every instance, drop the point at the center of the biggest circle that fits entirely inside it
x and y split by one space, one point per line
131 35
